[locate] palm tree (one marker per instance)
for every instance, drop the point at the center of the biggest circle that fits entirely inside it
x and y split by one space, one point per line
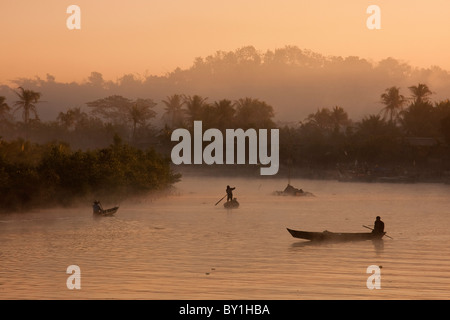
4 113
253 113
28 99
372 125
321 119
195 107
225 113
27 102
140 113
394 102
420 93
4 108
72 118
339 118
174 112
121 110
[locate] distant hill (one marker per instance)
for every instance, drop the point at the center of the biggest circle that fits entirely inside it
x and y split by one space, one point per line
295 82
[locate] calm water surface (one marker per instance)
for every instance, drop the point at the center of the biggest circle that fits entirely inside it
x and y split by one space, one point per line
184 247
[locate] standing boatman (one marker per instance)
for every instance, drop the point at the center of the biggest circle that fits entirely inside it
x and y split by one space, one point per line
230 193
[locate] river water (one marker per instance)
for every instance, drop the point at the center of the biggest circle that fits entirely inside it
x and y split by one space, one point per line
182 246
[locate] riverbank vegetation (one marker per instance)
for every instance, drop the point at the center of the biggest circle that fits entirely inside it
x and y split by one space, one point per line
45 175
50 162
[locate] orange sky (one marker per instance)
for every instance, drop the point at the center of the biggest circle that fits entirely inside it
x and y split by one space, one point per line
156 36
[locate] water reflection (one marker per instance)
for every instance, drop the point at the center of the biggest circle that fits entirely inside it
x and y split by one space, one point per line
378 244
184 247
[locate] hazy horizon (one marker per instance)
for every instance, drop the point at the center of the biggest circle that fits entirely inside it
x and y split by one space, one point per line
155 37
295 82
142 75
136 46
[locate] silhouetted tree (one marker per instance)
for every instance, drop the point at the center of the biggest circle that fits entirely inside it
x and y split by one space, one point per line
339 118
418 120
27 102
420 93
376 140
140 113
330 121
5 117
394 103
4 108
120 110
174 113
195 107
253 113
224 114
71 118
113 108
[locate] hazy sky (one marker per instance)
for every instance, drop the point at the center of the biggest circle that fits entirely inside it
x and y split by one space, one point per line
144 37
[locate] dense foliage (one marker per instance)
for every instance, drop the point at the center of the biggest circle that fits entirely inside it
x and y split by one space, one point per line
409 134
34 175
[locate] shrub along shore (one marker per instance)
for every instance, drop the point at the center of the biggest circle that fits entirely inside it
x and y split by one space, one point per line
48 175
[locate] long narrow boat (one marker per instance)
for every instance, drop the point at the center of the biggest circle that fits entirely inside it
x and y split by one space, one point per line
106 212
335 236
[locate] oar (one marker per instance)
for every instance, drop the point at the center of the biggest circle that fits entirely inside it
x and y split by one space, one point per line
220 200
372 230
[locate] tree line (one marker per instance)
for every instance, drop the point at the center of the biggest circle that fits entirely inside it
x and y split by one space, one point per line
52 174
295 81
409 134
322 140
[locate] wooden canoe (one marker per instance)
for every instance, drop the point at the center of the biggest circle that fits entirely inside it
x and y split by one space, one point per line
233 204
335 236
106 212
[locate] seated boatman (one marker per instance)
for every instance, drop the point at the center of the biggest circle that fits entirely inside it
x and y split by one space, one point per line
378 226
97 207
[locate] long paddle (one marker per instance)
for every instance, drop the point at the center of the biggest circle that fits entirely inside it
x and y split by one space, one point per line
220 200
372 230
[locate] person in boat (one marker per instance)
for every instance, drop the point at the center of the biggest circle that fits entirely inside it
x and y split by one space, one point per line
378 227
97 207
230 193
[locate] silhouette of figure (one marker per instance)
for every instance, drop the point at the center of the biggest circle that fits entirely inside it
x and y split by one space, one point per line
97 207
230 193
378 226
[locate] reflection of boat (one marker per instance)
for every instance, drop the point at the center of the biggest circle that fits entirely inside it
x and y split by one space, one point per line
231 204
291 191
334 236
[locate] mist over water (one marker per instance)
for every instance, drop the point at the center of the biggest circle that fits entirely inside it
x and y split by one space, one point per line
183 246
